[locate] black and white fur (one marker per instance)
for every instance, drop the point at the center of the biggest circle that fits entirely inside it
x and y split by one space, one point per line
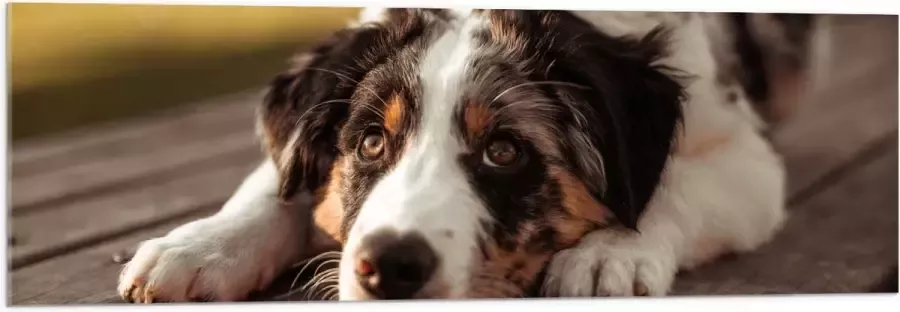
666 144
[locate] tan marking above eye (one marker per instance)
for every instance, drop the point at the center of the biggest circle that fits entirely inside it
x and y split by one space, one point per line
372 146
477 117
393 113
501 153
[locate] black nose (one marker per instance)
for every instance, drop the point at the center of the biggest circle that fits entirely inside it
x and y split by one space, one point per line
394 266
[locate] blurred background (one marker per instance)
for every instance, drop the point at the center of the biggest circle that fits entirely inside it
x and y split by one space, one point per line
73 65
130 120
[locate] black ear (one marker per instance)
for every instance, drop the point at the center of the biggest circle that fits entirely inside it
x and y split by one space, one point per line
630 115
305 107
302 109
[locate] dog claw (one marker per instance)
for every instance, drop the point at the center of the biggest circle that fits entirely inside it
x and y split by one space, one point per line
127 294
641 290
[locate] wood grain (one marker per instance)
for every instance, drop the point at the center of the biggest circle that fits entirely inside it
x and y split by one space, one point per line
80 182
86 275
85 222
202 119
844 239
852 103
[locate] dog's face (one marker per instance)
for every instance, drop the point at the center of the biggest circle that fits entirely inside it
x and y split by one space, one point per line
463 150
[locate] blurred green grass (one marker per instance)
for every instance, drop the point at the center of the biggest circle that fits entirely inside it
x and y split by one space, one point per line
74 65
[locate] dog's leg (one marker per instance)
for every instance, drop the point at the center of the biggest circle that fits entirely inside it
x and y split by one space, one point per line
723 198
223 257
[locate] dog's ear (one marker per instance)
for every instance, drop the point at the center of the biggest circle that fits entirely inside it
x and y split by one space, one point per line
630 115
305 107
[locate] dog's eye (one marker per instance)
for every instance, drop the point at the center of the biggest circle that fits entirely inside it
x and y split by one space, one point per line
372 146
500 153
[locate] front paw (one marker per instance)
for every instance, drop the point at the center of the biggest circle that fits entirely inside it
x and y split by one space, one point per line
194 263
610 265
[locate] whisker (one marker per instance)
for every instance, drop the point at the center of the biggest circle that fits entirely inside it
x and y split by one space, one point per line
319 279
314 107
324 263
329 291
351 80
532 83
368 106
323 279
333 294
336 73
542 104
318 292
289 293
328 276
310 261
374 110
319 256
299 274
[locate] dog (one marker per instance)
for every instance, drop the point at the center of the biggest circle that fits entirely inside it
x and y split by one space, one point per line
452 153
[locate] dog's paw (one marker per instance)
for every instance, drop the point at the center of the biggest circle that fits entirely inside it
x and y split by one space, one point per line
197 262
606 265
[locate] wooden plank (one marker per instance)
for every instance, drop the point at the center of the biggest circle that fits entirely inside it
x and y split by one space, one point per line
106 174
855 106
50 173
206 119
85 276
842 240
85 222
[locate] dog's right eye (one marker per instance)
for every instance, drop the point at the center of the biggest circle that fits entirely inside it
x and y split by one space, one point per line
372 146
501 153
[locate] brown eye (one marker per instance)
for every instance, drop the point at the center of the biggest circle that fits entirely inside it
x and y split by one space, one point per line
372 146
501 153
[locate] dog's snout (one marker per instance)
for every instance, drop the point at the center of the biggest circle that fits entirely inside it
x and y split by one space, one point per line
395 266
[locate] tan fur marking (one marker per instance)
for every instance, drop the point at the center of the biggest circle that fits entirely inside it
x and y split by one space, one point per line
500 29
576 198
570 229
477 118
507 274
393 114
327 215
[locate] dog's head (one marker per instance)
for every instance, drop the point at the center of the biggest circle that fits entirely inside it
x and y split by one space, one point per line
464 149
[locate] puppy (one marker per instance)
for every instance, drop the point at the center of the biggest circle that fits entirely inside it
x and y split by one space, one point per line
499 153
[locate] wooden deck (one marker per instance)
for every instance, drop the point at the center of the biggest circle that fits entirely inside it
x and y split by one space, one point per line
80 198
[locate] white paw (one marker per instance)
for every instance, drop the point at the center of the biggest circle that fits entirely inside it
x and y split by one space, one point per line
606 264
202 260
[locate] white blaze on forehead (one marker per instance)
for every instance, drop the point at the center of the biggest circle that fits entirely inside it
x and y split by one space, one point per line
427 191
